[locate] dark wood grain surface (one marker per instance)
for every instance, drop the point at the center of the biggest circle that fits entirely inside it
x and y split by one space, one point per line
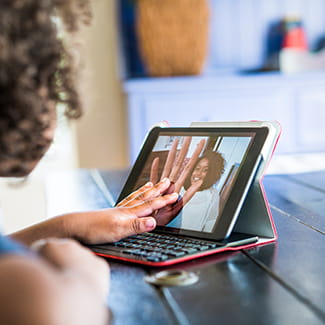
280 283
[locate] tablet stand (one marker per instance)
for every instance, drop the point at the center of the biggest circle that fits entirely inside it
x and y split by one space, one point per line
255 218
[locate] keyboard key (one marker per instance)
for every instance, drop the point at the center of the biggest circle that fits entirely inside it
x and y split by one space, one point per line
175 253
189 250
203 248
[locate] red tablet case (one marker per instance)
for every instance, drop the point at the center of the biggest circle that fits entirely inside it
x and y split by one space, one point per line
255 216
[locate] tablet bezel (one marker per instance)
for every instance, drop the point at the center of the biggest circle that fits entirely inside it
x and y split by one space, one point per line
226 220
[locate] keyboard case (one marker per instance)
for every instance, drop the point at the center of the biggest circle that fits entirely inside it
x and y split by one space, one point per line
255 218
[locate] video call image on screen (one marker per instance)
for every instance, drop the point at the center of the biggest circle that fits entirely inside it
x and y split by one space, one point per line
203 169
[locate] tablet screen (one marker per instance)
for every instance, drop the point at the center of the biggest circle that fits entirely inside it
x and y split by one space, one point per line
210 168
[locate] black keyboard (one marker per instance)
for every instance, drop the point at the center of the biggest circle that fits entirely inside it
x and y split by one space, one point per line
155 247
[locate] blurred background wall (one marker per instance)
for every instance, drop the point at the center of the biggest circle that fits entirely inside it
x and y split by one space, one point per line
101 134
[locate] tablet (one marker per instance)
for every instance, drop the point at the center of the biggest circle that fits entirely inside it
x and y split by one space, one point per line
211 168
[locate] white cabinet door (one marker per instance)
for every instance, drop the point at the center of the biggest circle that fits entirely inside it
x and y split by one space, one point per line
296 102
310 128
182 109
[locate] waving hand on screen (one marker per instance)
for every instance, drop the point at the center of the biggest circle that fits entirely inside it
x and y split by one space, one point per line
176 169
173 170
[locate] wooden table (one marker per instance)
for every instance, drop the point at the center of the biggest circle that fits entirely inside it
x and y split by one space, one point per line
280 283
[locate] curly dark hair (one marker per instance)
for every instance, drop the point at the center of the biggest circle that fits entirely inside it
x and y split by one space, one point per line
36 74
216 168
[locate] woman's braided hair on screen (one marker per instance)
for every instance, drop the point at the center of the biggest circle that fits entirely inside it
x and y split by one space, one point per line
36 72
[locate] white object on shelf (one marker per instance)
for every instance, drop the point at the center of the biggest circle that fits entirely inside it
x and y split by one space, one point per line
294 61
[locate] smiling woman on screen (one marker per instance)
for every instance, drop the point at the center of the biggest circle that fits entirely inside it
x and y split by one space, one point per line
201 211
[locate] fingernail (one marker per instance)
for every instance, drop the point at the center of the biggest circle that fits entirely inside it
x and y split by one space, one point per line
150 223
37 245
148 184
164 180
174 195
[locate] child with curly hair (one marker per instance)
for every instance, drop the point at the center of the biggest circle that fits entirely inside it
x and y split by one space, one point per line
57 281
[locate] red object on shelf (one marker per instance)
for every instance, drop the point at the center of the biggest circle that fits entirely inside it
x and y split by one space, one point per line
294 36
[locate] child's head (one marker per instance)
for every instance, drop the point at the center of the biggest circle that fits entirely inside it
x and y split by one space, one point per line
36 75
